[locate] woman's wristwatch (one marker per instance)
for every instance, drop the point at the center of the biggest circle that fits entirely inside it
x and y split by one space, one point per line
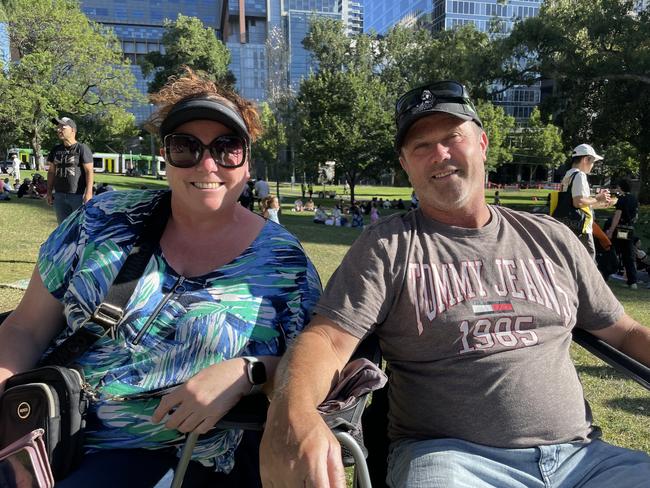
256 373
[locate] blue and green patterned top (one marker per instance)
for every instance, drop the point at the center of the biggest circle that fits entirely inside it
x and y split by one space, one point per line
252 306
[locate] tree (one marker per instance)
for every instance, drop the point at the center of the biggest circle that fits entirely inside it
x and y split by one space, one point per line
541 143
187 42
67 65
498 126
267 147
343 118
598 55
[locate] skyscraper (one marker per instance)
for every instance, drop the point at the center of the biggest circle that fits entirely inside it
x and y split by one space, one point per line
381 15
289 22
243 25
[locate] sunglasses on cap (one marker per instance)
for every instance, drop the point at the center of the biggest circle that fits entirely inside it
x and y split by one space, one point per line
186 151
428 96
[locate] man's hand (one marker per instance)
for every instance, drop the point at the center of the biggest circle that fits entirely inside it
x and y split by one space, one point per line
87 195
298 449
200 402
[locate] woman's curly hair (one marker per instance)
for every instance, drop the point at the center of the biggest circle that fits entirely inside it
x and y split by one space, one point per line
192 85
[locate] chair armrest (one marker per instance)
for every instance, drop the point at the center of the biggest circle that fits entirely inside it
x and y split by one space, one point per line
612 356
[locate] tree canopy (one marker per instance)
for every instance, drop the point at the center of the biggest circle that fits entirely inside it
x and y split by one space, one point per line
343 118
597 55
187 42
67 66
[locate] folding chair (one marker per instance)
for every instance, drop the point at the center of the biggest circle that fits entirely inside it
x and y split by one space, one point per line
250 414
375 417
345 424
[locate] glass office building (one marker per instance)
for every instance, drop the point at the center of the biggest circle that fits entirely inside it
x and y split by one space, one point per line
381 15
291 18
138 25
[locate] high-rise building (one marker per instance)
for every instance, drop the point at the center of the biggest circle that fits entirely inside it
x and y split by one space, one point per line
352 14
288 21
381 15
492 16
243 25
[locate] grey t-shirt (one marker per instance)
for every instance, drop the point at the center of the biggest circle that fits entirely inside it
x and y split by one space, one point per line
475 324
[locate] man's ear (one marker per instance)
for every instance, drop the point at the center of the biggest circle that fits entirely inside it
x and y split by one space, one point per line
484 143
402 162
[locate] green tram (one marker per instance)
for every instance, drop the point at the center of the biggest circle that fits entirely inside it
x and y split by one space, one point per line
126 163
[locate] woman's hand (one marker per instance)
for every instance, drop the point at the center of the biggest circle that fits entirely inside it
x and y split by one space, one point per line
199 403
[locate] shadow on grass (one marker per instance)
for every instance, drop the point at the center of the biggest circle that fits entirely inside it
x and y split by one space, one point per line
602 372
32 202
638 406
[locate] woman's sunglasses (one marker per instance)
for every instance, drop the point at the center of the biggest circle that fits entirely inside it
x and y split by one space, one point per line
186 151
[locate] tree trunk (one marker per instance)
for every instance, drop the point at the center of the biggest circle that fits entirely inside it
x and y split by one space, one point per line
36 147
644 176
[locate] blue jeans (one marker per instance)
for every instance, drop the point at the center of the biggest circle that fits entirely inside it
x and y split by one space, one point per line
145 468
453 463
65 204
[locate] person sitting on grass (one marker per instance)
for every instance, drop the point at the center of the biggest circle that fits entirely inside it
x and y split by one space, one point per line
298 206
271 208
320 216
309 205
357 217
5 190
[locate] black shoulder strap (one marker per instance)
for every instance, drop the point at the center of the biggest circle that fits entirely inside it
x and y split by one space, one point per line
109 313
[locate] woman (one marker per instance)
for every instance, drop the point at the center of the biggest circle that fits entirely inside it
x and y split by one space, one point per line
223 284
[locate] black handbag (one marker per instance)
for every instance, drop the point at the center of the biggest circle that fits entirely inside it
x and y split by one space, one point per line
624 232
49 398
565 212
54 396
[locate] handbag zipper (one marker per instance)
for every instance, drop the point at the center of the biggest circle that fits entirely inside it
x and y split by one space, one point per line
155 313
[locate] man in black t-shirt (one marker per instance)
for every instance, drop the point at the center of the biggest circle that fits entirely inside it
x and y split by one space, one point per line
70 174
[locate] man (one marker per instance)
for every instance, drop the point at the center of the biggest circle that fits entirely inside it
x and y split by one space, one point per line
473 305
70 174
583 159
15 163
262 189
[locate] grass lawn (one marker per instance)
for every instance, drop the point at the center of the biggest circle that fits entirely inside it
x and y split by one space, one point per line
620 407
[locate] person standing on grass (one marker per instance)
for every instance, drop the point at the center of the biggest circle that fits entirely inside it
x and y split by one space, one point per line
583 159
473 305
15 164
70 174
